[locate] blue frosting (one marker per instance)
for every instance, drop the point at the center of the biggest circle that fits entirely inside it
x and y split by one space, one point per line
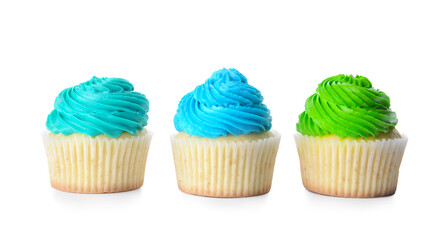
99 106
224 104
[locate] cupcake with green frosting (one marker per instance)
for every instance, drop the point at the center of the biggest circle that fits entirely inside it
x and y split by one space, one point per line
347 142
96 141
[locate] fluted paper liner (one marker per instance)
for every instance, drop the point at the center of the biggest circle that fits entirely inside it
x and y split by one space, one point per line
217 168
350 168
83 164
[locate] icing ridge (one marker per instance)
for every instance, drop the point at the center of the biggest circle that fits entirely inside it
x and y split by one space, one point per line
99 106
347 106
224 104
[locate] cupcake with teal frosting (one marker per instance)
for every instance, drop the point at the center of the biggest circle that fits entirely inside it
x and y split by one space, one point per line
347 142
225 146
96 141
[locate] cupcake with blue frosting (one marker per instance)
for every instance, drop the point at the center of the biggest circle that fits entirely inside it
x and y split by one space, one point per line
96 141
225 146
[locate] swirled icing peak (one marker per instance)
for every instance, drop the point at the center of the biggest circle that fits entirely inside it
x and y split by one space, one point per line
224 104
99 106
347 106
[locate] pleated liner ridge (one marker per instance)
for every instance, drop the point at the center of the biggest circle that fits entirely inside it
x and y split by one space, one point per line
217 168
83 164
350 168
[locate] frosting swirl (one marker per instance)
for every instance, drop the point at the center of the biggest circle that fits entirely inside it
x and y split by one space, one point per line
347 106
224 104
99 106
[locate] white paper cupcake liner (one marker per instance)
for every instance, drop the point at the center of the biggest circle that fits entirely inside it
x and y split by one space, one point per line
350 168
217 168
83 164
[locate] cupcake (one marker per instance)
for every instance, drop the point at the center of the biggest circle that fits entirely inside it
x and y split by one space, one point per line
96 141
224 147
347 142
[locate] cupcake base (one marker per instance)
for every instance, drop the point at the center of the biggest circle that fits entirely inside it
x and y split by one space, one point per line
350 168
225 167
79 163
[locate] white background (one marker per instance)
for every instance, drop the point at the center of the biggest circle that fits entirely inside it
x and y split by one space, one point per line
166 48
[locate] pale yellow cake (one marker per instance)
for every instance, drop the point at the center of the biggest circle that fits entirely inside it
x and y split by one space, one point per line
363 167
227 166
100 164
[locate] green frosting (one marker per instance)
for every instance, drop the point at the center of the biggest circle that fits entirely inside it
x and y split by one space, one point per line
347 106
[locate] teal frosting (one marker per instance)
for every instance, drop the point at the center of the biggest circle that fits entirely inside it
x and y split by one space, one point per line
99 106
224 104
